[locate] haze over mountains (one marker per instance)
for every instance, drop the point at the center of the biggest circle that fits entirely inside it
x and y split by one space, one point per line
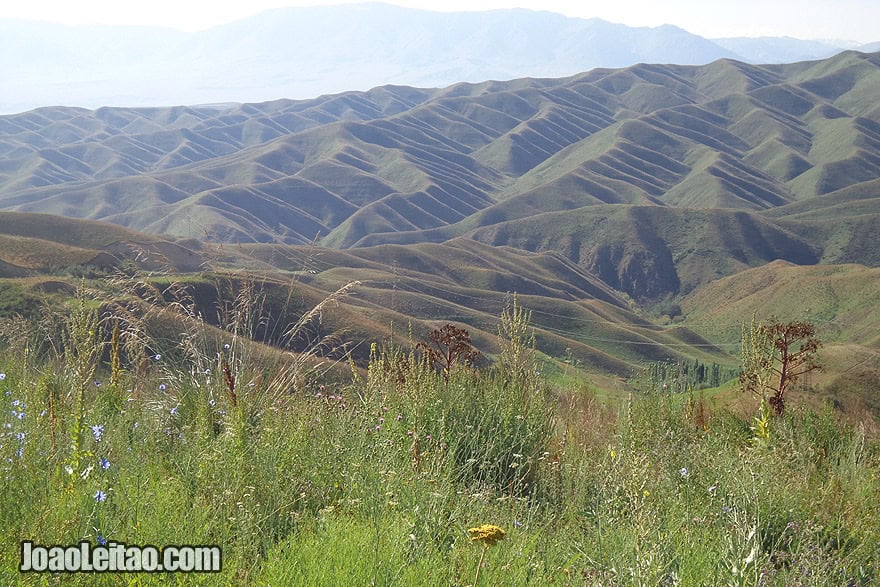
306 52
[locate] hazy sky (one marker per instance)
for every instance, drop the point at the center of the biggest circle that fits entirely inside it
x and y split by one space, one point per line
856 20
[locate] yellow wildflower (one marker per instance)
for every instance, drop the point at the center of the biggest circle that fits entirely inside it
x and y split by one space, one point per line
487 534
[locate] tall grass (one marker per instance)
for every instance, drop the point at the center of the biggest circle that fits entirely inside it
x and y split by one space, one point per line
376 480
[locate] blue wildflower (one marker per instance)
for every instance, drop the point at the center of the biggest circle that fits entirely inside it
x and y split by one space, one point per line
105 464
97 431
101 540
100 496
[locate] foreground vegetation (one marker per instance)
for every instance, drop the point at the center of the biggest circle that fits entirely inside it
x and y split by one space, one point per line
376 480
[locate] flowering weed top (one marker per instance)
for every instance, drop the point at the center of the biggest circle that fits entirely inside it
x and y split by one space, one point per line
487 534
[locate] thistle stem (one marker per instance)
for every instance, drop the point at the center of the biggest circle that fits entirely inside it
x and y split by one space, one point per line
480 564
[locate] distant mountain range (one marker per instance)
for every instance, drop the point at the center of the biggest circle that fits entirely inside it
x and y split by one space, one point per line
654 178
306 52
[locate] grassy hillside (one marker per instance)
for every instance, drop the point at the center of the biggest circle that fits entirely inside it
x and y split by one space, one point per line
363 165
652 252
840 299
391 475
402 292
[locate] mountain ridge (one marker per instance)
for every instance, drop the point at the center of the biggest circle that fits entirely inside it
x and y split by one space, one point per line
638 148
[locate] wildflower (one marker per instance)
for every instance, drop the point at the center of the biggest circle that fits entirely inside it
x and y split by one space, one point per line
2 376
68 469
517 524
378 428
409 432
174 411
101 540
646 494
43 413
487 534
684 472
613 454
16 402
97 431
97 383
158 357
20 452
105 464
226 347
381 420
399 417
211 403
19 436
712 490
162 387
100 496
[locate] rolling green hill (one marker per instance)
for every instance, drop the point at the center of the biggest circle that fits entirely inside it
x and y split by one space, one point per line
655 177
